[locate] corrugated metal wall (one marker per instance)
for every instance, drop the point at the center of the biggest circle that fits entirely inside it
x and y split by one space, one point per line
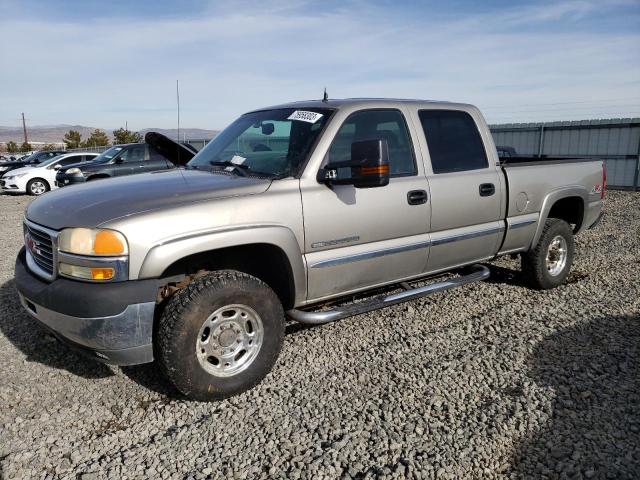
617 141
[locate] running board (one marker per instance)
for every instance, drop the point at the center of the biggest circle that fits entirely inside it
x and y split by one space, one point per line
478 272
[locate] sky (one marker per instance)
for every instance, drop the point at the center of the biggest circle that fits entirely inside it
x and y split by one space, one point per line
104 63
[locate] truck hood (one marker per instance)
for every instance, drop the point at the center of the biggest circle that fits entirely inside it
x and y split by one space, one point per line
177 153
95 203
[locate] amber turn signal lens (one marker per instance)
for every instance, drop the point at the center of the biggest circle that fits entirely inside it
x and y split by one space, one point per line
102 273
108 243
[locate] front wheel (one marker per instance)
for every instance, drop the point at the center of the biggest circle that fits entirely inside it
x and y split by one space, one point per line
37 187
548 264
220 335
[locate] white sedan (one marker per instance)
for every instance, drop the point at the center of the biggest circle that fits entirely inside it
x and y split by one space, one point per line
38 179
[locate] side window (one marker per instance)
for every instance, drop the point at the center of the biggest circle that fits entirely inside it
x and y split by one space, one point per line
134 154
386 125
453 140
70 160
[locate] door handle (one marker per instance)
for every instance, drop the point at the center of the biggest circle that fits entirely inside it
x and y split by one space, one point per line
417 197
487 189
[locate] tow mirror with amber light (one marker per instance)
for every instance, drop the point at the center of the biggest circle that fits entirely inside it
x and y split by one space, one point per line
369 166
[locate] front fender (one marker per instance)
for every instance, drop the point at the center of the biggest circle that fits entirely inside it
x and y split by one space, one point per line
162 255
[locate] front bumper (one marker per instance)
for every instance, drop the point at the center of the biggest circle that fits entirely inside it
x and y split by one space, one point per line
12 186
62 179
112 323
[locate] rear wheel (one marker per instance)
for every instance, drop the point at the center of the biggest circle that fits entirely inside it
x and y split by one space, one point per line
220 335
37 186
548 264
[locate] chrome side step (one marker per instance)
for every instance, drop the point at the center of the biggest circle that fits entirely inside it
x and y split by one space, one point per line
478 272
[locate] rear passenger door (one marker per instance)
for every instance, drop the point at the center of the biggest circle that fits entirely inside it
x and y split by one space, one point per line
465 187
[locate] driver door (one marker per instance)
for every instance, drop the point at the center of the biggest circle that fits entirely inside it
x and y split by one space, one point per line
361 237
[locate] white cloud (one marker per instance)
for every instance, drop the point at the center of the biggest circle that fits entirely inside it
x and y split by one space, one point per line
105 71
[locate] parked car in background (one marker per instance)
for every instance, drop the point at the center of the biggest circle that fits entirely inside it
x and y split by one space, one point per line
40 178
157 153
34 159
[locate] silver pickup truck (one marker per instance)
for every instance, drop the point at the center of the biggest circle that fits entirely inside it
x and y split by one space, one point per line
312 210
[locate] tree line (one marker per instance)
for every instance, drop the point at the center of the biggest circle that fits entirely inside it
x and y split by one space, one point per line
73 139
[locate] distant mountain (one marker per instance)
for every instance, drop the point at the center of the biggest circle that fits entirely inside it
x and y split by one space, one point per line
188 133
55 133
44 133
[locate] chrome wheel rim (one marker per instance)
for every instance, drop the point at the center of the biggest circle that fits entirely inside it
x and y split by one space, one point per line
38 188
556 255
229 340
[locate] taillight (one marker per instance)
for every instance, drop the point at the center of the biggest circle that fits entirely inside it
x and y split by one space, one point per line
604 180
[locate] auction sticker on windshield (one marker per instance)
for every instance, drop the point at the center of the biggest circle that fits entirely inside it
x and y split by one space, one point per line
304 116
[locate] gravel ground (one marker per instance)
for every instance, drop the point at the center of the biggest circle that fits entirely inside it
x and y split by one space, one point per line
489 381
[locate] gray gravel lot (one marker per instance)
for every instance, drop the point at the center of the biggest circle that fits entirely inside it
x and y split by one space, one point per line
489 381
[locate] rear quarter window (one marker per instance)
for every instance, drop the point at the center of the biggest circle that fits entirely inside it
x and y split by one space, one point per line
453 141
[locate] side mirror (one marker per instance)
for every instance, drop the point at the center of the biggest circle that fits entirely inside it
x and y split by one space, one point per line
57 166
118 160
369 166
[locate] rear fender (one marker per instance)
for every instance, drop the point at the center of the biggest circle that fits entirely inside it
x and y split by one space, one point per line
553 197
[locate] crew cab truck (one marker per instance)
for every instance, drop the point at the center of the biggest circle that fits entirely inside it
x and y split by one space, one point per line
293 210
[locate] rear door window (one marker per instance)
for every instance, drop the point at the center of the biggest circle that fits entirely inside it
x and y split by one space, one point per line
453 140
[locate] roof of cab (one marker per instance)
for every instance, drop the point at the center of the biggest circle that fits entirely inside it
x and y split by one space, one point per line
364 103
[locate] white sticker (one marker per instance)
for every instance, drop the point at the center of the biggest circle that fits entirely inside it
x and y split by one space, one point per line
238 160
304 116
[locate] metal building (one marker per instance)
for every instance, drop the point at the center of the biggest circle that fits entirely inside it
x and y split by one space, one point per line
617 141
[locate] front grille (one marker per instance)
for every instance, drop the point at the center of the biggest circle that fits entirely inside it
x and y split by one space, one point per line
42 250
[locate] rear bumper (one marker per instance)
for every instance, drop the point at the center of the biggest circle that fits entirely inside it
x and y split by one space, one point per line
113 325
598 220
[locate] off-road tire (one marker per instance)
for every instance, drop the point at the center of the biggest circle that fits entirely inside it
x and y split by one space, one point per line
31 183
534 266
184 316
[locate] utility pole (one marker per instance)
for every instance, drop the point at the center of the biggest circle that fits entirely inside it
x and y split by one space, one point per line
24 129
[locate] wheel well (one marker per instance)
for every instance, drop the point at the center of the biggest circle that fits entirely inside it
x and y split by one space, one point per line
569 209
267 262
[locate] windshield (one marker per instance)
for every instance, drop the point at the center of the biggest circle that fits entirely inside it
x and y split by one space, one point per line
49 161
273 143
28 158
107 155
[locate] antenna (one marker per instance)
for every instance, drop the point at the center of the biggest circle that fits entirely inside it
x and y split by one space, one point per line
178 101
325 97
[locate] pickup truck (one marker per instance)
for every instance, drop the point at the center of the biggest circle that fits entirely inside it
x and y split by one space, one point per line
313 210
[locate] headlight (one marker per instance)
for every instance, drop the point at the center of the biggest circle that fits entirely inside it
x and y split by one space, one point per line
4 169
9 177
87 241
93 254
74 171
